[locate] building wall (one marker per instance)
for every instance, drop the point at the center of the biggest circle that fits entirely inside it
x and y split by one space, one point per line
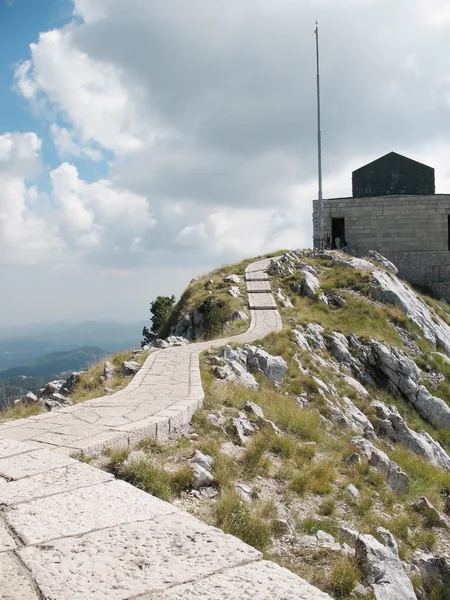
412 231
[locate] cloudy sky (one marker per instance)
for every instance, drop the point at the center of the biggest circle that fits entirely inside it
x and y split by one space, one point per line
143 142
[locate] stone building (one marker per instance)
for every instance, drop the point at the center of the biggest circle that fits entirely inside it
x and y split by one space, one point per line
394 210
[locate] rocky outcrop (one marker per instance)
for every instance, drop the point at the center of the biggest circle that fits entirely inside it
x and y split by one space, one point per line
430 513
402 375
435 573
130 367
396 479
382 567
285 265
310 284
390 289
233 371
383 261
272 367
201 466
391 425
346 414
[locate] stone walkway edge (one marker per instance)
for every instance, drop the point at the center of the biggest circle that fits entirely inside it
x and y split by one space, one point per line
69 531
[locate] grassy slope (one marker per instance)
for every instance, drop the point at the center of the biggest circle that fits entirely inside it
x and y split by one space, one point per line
304 468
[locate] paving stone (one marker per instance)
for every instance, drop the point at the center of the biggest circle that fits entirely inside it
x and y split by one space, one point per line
57 481
14 581
258 581
12 447
83 510
125 561
25 465
7 542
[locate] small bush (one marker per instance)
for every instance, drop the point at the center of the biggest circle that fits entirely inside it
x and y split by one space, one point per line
234 516
146 476
343 577
311 526
181 479
327 507
216 312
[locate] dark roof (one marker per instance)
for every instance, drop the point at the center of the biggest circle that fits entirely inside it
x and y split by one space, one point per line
389 156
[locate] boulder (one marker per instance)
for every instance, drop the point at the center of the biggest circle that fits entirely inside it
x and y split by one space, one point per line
239 315
285 265
383 568
200 476
383 261
244 491
435 573
284 301
300 339
272 367
353 492
204 460
71 382
310 283
336 300
314 335
242 428
345 413
130 367
135 456
432 516
109 370
50 388
28 399
233 279
392 425
358 387
176 340
234 291
237 354
235 371
353 459
258 413
396 479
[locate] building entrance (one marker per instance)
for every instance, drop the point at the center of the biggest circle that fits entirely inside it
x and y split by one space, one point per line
337 230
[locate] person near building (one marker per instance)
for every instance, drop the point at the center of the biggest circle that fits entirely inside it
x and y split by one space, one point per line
337 242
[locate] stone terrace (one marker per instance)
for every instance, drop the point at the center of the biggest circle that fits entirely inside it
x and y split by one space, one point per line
72 532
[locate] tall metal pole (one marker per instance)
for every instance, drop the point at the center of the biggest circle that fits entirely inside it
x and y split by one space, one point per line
319 141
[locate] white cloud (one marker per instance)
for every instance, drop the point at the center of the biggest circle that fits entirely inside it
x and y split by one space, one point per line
67 146
88 92
79 221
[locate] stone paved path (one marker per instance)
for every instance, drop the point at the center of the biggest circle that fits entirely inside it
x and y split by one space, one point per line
72 532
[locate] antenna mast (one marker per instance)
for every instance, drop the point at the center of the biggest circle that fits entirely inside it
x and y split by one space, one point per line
319 143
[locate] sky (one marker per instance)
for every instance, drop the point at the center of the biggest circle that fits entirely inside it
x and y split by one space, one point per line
143 142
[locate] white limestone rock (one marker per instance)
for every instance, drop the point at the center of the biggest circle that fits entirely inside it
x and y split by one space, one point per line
396 479
109 370
233 279
383 261
200 476
383 568
391 289
431 514
130 367
239 315
237 354
300 340
314 334
394 427
345 413
204 460
272 367
234 291
353 492
235 371
403 379
434 571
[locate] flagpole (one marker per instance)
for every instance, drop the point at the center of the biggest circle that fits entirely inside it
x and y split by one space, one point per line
319 142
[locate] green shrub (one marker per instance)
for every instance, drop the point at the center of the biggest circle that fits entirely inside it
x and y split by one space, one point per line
146 476
216 312
343 577
234 516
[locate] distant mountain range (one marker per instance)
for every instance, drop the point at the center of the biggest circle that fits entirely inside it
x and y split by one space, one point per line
32 355
23 344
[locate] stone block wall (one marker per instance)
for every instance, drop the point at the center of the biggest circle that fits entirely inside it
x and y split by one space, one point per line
412 231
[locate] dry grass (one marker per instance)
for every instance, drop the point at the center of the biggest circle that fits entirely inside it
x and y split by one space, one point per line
19 411
90 384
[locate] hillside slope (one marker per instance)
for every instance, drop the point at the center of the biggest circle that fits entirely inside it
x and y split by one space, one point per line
325 445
